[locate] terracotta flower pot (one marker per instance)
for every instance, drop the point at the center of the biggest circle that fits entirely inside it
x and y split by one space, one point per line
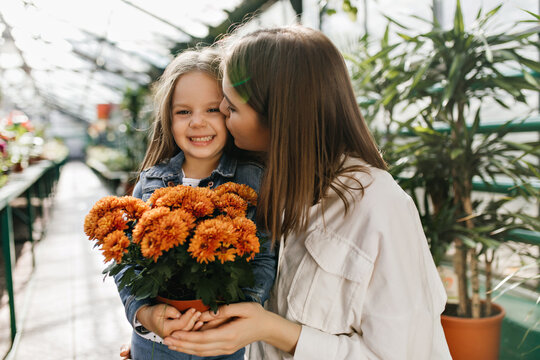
17 167
183 305
470 338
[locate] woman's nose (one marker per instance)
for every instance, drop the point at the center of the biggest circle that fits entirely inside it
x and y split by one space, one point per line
223 107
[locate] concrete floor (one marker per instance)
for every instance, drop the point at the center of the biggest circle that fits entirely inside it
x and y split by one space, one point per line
65 310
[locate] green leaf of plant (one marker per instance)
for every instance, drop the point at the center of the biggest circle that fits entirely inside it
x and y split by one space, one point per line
393 21
537 16
330 11
530 79
350 9
531 64
459 27
455 153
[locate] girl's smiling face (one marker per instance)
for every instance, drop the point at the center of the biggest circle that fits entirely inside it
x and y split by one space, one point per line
197 124
242 121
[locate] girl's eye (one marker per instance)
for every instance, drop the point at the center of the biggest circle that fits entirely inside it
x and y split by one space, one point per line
213 110
182 112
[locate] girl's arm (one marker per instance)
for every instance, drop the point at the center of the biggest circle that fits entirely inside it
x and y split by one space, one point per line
264 272
131 305
248 322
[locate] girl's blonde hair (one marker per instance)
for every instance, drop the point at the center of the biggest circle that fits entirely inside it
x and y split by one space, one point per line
298 83
162 145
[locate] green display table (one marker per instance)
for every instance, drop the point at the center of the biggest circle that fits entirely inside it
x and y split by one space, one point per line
37 180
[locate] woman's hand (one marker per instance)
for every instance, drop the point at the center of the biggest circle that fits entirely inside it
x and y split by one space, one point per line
237 326
163 319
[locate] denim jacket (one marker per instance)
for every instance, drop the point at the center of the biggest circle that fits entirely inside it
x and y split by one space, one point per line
169 173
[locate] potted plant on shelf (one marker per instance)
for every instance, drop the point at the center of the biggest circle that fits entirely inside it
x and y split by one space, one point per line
451 75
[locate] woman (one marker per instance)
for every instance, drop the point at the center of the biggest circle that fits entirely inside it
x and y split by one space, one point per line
355 278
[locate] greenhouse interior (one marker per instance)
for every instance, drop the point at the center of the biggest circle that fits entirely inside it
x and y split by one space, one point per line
450 91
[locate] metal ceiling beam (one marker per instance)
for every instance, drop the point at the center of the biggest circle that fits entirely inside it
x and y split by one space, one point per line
235 16
114 45
25 67
129 76
62 109
157 17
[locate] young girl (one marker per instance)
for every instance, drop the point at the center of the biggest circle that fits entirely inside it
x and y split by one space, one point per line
355 278
190 145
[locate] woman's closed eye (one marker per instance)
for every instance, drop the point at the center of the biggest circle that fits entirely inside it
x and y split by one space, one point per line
230 108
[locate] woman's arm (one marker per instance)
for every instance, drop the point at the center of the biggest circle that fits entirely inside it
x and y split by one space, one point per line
396 316
248 322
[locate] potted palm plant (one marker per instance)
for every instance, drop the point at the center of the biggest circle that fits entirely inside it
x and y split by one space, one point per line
451 74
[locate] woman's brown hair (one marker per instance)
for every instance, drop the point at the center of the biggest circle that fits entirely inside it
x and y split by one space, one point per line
297 82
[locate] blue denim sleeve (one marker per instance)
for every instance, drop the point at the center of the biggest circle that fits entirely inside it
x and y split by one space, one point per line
264 271
264 268
137 190
130 304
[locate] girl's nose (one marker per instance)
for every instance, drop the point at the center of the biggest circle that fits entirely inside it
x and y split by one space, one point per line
197 120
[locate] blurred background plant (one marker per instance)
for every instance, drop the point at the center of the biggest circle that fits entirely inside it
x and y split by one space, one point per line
120 138
430 89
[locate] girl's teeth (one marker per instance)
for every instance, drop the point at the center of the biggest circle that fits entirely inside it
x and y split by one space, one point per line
206 138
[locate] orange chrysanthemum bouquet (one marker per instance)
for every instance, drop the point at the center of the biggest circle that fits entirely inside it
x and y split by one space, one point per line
183 243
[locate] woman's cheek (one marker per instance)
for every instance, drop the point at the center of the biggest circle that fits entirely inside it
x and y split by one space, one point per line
229 122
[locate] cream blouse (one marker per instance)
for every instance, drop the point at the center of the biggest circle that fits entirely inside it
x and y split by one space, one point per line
362 285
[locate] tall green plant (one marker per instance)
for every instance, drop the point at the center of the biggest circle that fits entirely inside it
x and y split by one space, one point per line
451 75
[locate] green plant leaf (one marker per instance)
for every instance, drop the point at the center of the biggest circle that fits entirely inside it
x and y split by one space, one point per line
459 26
350 9
330 11
530 79
453 78
393 21
537 16
455 153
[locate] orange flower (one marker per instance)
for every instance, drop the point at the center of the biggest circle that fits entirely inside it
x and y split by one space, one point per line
198 201
213 238
133 207
232 204
244 191
112 213
248 242
226 254
161 229
115 246
109 222
100 208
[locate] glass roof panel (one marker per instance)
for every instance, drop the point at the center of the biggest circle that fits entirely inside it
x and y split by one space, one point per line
74 54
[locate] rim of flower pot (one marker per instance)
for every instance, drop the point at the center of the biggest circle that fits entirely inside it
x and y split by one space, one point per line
486 319
183 305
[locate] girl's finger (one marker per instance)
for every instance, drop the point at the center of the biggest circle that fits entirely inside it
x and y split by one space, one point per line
198 325
185 322
191 321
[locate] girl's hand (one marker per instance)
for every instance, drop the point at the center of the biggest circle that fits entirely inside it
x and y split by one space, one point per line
237 326
125 352
163 319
